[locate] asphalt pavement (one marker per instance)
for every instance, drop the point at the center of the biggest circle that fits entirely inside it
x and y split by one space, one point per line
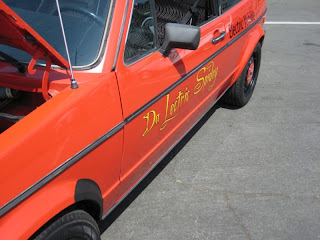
250 173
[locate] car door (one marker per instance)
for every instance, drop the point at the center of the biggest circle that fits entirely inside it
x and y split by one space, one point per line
163 97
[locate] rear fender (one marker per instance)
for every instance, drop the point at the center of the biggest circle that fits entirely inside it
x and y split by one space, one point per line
249 46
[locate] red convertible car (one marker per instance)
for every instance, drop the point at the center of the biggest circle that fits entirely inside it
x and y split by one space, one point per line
94 93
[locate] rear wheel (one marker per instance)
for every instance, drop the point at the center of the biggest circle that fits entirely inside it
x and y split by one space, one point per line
241 91
75 225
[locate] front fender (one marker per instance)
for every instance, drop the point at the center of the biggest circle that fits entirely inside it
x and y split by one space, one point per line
24 220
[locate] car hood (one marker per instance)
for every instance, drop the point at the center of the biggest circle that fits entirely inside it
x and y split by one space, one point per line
16 33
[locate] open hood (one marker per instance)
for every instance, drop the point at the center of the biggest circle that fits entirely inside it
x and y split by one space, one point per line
16 33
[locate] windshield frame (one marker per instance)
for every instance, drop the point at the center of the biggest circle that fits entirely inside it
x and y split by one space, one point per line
103 42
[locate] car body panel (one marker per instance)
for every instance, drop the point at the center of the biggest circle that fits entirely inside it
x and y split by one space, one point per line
61 139
249 45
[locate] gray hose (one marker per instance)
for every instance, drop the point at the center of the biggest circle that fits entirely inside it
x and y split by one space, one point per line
10 117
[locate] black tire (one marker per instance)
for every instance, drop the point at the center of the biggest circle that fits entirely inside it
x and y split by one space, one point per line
75 225
239 94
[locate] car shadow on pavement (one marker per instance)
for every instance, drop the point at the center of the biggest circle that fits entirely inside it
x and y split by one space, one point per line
112 217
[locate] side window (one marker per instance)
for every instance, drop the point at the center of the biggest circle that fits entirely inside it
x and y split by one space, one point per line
193 12
141 36
227 4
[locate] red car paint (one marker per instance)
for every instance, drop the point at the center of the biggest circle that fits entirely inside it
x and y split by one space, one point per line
120 122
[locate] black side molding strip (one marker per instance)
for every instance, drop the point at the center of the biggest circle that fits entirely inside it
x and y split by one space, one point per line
63 167
193 71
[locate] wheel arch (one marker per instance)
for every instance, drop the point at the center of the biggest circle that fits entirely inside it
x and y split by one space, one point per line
56 199
88 191
252 40
87 197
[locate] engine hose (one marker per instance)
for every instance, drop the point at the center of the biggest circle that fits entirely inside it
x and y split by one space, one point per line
5 102
8 93
10 117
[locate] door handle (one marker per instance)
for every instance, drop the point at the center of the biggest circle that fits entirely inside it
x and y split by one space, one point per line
217 39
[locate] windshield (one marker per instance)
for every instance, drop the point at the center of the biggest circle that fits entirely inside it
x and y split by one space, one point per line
84 23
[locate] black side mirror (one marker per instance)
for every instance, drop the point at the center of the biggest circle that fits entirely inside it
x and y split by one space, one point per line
180 36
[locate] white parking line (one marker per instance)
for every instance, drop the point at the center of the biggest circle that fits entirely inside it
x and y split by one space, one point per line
293 23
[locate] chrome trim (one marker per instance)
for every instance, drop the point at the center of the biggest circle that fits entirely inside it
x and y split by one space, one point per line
120 37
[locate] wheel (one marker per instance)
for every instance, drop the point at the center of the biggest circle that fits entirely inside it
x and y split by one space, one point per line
75 225
241 91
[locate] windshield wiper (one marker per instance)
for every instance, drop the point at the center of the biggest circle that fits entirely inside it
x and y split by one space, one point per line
14 62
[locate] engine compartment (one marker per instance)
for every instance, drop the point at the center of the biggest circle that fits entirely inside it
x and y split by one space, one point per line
15 105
